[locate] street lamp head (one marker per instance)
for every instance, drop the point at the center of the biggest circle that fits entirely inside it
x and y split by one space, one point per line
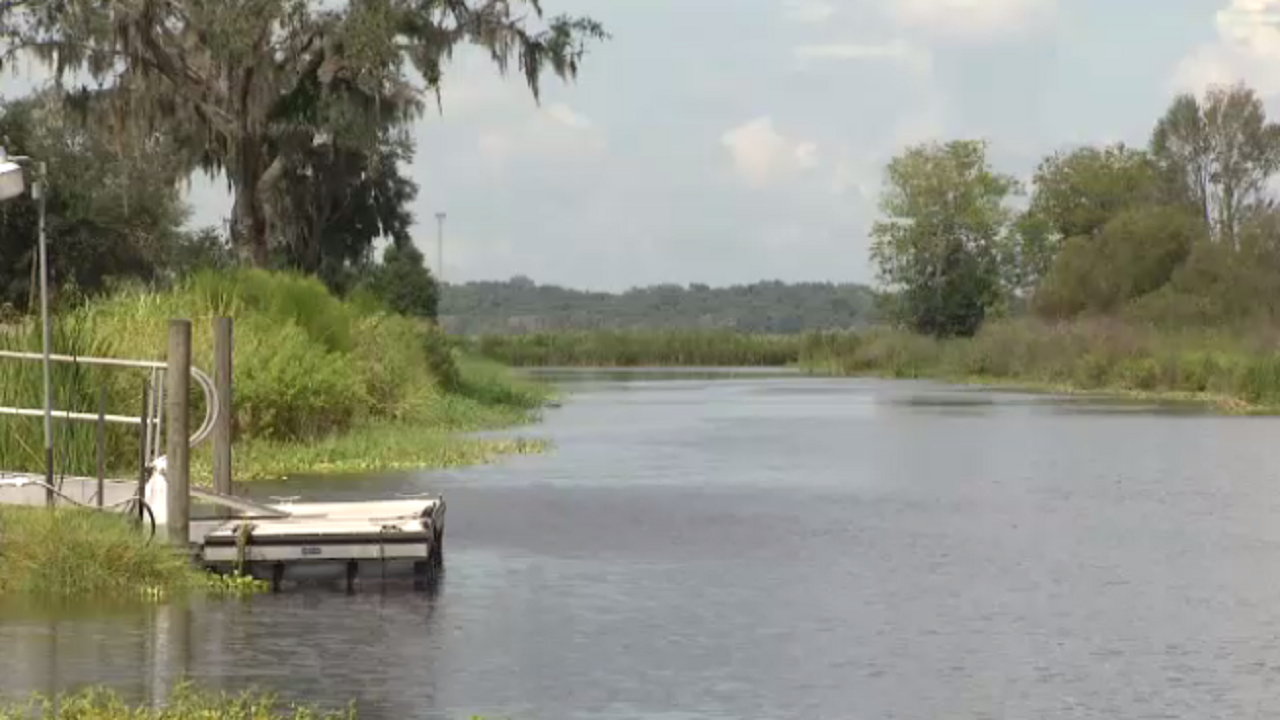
11 179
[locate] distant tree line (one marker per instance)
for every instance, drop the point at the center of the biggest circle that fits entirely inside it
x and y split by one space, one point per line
521 306
1183 231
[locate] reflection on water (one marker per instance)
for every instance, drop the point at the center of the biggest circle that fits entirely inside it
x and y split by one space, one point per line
758 546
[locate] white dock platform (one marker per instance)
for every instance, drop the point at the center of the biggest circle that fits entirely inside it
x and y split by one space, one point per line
348 542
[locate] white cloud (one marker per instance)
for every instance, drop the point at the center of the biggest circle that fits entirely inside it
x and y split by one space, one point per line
807 11
1247 48
972 19
565 115
558 132
760 154
917 58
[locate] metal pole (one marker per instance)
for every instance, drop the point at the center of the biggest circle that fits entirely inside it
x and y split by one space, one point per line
440 247
42 191
144 446
178 378
101 442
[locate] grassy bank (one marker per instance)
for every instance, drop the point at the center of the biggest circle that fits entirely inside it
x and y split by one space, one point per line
1236 370
321 383
656 348
186 703
73 553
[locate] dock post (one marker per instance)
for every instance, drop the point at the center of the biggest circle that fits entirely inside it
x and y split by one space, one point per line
222 426
178 378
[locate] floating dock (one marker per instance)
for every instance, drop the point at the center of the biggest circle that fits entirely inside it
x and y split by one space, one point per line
285 542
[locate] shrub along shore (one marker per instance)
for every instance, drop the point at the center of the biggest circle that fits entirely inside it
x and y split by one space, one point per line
321 384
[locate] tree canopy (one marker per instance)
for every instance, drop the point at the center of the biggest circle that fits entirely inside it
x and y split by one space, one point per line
1183 231
248 88
113 209
945 235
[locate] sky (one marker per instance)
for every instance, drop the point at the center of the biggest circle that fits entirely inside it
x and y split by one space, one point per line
730 141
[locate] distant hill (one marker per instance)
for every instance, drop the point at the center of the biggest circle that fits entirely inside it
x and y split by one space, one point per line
520 305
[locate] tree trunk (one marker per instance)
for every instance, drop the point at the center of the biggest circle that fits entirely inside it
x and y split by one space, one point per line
249 223
252 180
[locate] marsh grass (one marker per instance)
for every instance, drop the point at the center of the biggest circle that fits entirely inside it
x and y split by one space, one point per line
72 554
374 448
1235 369
68 553
187 702
314 377
75 388
655 348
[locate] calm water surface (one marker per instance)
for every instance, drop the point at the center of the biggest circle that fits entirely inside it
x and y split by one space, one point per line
764 546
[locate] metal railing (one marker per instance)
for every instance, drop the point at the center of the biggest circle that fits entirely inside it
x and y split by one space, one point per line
153 419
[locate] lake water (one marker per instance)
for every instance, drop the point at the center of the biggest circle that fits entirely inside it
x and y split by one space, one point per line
771 546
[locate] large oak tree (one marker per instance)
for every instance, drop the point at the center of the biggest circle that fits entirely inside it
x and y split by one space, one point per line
251 85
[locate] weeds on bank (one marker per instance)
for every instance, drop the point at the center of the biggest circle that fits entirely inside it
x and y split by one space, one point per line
77 553
308 367
186 703
1237 370
634 348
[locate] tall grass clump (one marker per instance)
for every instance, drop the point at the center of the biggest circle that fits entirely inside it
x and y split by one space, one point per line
635 348
1104 354
76 553
74 388
186 702
308 366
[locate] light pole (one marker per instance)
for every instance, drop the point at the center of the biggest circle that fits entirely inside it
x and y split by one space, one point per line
11 186
440 248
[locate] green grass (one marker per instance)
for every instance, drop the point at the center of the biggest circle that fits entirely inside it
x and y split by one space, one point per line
74 387
656 348
76 553
373 448
187 702
1238 371
316 380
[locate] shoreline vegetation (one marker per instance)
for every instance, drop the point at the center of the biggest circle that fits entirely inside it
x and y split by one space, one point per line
68 554
186 701
1230 370
321 384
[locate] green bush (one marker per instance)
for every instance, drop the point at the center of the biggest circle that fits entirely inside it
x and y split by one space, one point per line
307 366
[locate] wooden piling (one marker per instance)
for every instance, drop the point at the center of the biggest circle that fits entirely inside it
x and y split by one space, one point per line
222 340
178 451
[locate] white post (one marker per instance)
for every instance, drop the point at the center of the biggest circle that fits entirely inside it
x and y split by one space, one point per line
40 191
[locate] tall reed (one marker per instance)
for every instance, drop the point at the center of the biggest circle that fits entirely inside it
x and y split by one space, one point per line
1235 366
632 348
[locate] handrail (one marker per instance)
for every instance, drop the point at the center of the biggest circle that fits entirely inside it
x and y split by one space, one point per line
212 407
